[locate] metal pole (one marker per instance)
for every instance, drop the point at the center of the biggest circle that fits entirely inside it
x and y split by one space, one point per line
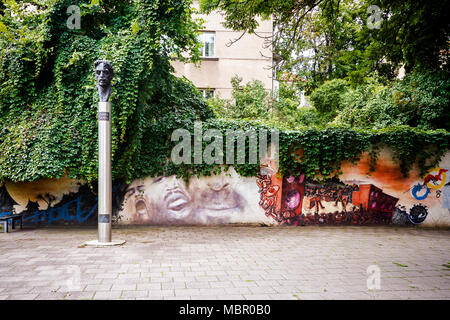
103 75
104 172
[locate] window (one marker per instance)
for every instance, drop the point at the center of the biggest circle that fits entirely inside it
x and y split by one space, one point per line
207 93
208 40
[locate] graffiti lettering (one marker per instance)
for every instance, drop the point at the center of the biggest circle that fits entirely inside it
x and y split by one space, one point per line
62 213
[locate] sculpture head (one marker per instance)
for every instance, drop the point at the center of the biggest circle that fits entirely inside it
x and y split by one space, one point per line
103 75
103 72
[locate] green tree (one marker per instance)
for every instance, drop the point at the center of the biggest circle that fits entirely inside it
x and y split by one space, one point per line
326 39
250 100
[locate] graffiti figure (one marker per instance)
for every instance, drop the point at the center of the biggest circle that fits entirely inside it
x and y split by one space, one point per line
342 199
339 217
316 201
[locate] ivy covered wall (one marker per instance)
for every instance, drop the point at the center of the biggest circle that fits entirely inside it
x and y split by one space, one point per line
359 195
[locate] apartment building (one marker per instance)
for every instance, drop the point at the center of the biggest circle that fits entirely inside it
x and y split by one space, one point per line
248 58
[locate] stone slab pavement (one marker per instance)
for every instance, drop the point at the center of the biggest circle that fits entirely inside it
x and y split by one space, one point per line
227 262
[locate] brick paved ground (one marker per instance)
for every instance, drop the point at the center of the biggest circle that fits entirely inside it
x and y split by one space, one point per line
233 262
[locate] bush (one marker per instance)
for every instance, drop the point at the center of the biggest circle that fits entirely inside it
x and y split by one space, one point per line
420 100
250 101
328 98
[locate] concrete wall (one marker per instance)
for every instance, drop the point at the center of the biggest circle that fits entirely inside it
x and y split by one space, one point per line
384 197
243 58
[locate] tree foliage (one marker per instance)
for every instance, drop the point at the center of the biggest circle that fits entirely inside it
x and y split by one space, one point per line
325 39
48 100
419 100
328 98
251 101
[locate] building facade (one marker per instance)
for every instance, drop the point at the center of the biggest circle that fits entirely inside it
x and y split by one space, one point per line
248 57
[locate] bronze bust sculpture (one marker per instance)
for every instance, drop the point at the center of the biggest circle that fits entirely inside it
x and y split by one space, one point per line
103 75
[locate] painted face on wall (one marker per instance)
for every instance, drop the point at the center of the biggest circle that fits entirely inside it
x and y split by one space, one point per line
136 204
293 190
169 198
292 199
215 196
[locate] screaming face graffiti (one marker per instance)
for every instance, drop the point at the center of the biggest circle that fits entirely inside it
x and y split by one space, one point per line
165 200
172 198
136 203
158 200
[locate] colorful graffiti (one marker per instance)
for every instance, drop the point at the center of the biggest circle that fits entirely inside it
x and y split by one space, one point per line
434 183
421 191
296 201
75 208
353 198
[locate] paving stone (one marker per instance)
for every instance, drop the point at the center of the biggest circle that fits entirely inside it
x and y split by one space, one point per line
220 262
134 294
120 287
106 295
98 287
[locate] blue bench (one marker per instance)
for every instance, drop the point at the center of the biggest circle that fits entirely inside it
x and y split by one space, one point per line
13 218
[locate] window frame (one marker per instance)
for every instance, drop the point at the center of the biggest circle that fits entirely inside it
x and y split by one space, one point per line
203 41
204 90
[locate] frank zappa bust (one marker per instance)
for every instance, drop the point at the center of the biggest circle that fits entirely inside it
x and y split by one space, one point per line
103 75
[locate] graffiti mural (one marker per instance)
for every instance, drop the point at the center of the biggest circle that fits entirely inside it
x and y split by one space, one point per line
78 207
354 197
168 200
298 201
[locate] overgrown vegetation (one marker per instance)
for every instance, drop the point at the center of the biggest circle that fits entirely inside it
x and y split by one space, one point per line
48 100
48 103
420 100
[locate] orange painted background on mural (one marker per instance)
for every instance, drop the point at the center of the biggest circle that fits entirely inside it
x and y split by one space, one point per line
387 173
